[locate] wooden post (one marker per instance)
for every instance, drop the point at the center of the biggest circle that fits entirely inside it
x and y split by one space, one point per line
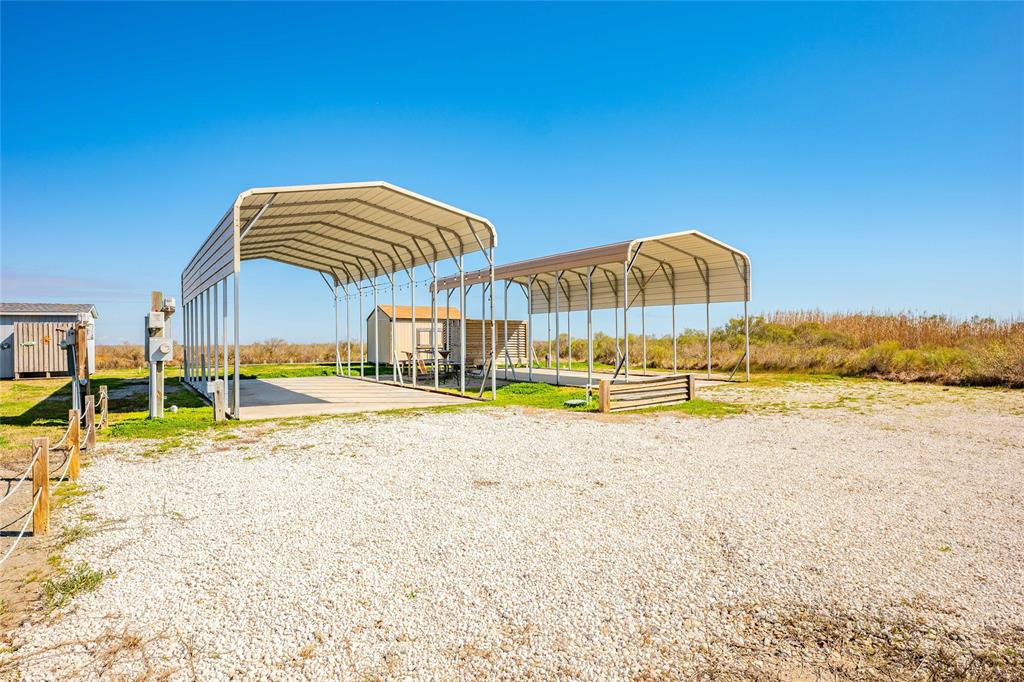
218 400
41 486
103 407
691 387
90 423
604 395
82 353
74 438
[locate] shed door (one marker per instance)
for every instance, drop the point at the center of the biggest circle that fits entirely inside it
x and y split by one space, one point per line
37 347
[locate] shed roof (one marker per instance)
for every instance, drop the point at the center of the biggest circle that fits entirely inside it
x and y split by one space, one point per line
680 267
404 312
47 309
352 231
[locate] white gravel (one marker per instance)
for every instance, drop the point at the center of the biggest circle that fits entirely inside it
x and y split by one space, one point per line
492 543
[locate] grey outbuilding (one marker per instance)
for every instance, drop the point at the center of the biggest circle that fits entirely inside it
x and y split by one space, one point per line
30 336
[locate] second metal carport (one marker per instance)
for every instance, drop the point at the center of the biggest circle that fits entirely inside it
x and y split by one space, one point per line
664 270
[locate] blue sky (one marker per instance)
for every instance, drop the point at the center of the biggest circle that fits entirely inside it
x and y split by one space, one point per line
865 156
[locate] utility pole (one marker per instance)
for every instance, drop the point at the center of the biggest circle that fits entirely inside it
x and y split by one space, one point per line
159 349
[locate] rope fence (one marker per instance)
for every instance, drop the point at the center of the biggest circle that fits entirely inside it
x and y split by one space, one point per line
28 518
76 438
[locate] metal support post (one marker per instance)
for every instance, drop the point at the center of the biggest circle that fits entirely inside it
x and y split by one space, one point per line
590 334
529 327
707 317
625 320
558 337
568 327
494 341
675 349
224 324
412 303
462 325
643 327
237 388
201 328
376 333
184 338
504 336
394 336
618 348
337 339
433 322
348 330
483 335
210 354
746 338
362 328
216 333
549 333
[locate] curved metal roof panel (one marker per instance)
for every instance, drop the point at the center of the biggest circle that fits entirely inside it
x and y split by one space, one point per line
351 231
676 268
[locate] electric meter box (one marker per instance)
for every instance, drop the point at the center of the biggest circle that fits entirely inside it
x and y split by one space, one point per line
159 349
155 321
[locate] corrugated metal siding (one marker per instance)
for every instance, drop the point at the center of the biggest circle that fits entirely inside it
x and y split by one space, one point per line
216 259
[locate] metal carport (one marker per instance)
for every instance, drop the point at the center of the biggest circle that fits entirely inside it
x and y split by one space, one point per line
353 234
669 269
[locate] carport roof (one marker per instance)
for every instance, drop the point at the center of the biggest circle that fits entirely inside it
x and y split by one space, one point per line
351 231
680 268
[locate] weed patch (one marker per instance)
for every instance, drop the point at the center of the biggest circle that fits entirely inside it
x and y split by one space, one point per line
60 590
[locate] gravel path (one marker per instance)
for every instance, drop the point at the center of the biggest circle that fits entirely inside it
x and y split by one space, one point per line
488 543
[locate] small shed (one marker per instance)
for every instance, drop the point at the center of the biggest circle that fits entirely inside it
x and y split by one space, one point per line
30 336
378 339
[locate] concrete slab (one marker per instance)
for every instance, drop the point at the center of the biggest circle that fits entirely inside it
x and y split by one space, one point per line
303 396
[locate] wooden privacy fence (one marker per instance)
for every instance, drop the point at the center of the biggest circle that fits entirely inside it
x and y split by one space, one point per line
72 443
669 390
478 341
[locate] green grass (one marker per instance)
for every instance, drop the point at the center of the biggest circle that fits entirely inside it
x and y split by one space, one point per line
74 533
68 493
322 369
554 397
542 395
39 408
697 408
30 409
59 590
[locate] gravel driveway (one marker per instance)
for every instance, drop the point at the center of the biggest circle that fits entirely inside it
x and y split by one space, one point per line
505 543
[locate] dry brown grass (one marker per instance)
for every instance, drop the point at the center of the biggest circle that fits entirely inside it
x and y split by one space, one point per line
904 347
271 351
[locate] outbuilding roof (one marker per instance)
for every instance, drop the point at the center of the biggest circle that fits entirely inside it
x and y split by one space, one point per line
404 312
675 268
351 231
47 309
